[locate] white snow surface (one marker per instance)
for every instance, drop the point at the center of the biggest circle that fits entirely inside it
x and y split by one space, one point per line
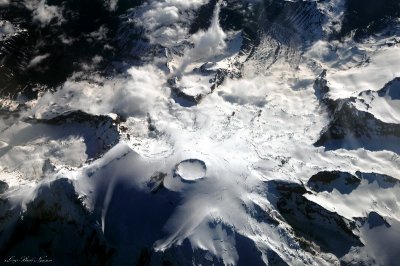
191 170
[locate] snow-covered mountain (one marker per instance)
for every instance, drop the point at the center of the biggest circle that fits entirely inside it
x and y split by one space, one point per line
200 132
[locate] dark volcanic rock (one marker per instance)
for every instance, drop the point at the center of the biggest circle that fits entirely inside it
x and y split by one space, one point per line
351 128
367 17
328 230
327 181
3 187
85 30
293 22
100 133
57 227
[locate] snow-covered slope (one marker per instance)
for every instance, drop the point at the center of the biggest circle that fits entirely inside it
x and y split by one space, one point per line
202 133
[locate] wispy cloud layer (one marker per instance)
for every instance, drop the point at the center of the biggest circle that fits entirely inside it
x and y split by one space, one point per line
44 13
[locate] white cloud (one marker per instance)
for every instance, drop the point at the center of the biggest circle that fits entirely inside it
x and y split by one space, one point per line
44 13
134 95
66 40
206 44
166 22
244 91
161 16
37 60
6 28
100 34
96 60
112 4
4 2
